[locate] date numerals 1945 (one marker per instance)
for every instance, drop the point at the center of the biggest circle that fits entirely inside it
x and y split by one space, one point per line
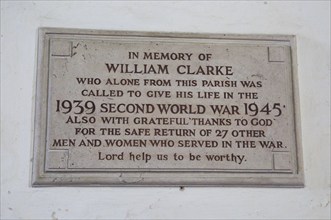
253 109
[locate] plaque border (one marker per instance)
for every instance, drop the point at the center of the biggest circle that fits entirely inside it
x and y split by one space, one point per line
41 177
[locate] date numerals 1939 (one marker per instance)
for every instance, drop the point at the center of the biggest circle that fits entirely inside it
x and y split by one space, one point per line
75 106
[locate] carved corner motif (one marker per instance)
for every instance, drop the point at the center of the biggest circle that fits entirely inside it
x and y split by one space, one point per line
58 159
276 54
61 48
282 161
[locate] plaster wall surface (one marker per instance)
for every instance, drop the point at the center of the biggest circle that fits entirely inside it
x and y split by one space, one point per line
308 20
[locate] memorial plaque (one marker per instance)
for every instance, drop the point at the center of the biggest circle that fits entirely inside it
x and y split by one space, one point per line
136 108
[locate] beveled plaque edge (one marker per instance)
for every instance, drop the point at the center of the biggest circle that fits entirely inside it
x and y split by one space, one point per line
41 178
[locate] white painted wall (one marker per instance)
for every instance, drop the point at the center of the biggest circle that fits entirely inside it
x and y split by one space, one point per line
19 23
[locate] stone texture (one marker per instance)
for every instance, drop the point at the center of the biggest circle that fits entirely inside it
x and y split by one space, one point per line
266 64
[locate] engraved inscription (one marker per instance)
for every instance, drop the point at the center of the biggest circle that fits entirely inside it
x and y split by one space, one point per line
162 105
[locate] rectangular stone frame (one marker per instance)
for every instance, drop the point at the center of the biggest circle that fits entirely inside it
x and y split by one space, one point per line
41 177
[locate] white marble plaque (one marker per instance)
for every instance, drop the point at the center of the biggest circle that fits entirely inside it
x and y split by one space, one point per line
135 108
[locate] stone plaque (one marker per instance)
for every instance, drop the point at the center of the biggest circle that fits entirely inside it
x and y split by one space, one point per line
135 108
